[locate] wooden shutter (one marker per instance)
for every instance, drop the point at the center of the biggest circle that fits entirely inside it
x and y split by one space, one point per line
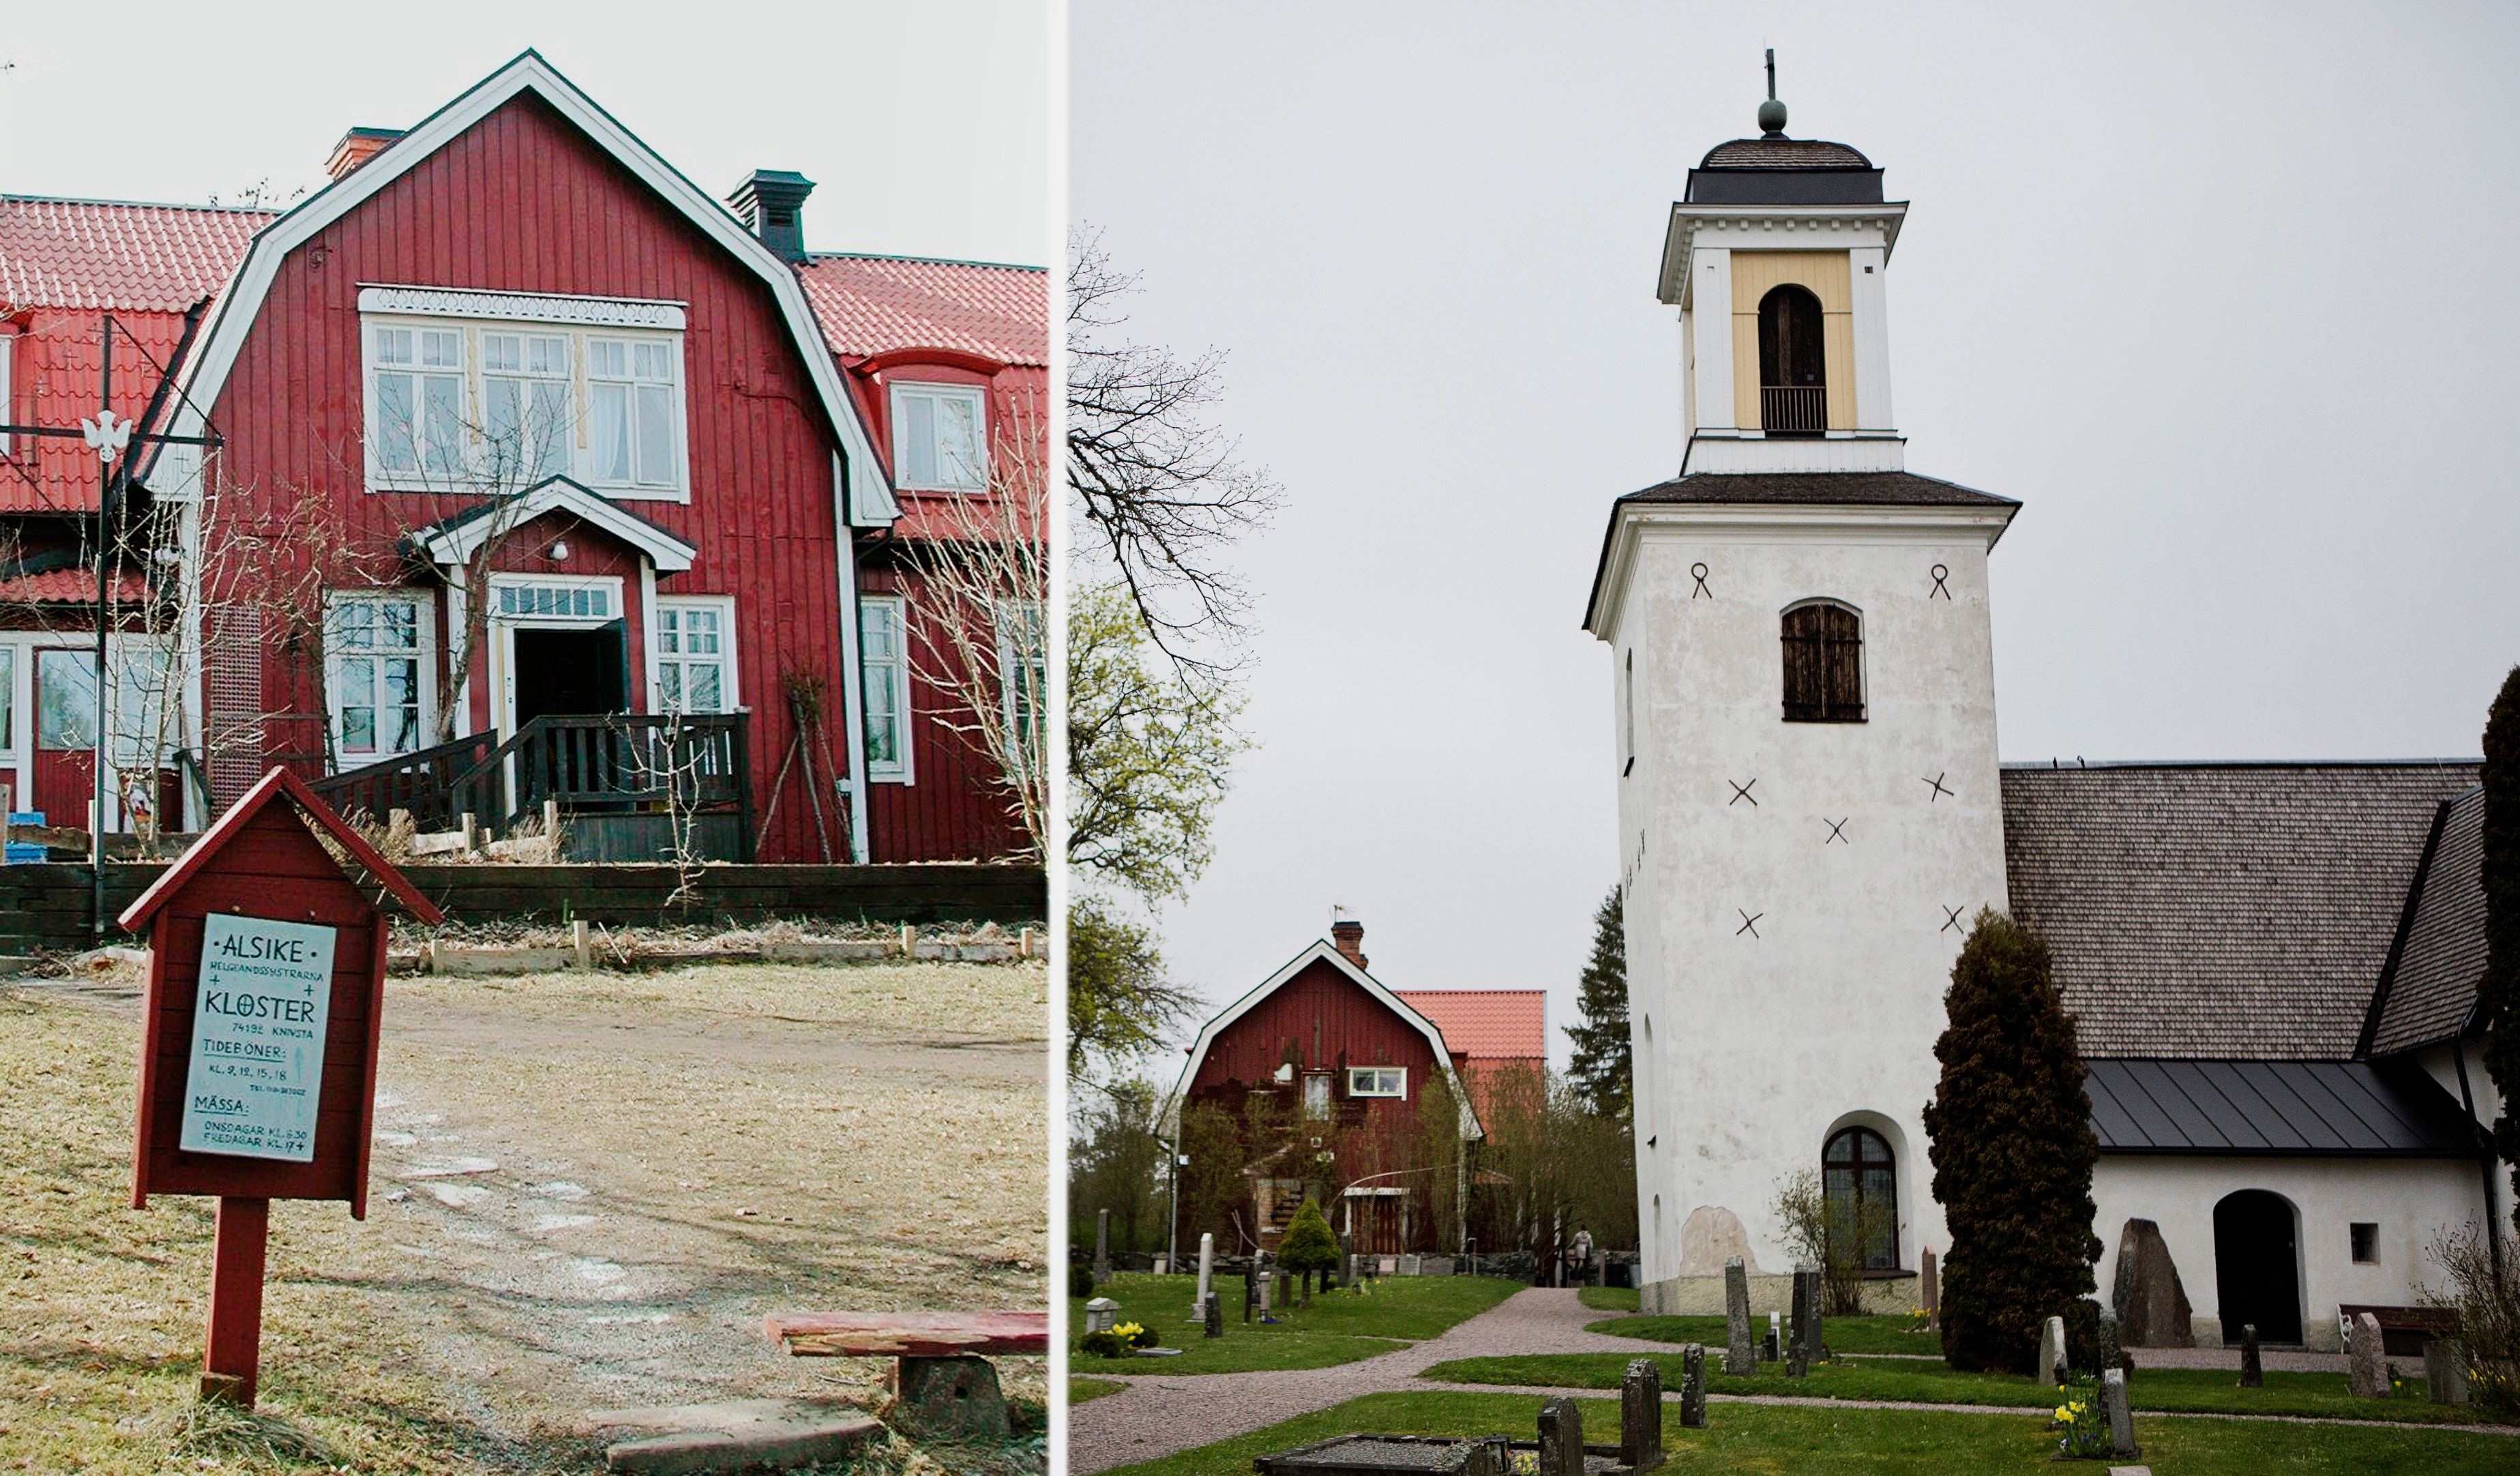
1824 651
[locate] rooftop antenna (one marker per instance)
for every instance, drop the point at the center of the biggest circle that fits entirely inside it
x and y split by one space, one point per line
1771 114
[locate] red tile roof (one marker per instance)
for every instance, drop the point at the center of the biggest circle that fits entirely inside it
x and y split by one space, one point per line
70 587
90 254
1487 1024
876 304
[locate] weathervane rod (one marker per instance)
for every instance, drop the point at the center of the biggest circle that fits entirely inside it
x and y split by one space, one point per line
1772 73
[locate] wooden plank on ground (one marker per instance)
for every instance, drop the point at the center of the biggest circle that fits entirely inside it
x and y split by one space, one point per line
907 1334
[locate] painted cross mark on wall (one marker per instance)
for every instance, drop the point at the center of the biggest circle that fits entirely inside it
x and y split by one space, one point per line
1941 573
1749 923
1741 792
1836 830
1939 792
1951 918
1697 571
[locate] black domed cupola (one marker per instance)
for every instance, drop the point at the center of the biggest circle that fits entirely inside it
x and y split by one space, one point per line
1773 169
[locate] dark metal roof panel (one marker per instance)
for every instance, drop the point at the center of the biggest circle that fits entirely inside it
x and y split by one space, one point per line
1820 489
2336 1109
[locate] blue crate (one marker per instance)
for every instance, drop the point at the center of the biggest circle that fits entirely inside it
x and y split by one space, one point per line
26 816
23 853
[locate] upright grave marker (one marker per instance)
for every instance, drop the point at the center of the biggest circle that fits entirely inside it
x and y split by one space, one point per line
258 1059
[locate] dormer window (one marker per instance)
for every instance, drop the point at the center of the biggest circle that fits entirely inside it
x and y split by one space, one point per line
937 433
1793 379
1823 644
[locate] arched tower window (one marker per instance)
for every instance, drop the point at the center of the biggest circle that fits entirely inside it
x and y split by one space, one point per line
1823 664
1863 1183
1793 379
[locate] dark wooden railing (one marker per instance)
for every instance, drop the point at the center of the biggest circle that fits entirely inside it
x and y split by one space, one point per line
1793 409
421 782
598 763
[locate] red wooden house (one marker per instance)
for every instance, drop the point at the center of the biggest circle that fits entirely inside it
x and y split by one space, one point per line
520 469
1323 1083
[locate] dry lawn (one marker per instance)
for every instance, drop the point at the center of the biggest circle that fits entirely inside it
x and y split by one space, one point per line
587 1191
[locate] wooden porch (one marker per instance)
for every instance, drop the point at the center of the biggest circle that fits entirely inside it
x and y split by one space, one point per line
625 783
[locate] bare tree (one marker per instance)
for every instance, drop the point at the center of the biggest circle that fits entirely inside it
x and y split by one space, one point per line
981 634
1161 489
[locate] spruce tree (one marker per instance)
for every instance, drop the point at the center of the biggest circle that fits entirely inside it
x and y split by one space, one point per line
2498 995
1309 1247
2012 1150
1603 1055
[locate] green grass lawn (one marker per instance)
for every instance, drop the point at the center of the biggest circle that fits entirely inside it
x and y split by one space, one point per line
1079 1390
2189 1390
1910 1442
1869 1334
1609 1298
1340 1327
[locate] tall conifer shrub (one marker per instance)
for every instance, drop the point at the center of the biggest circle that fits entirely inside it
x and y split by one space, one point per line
2012 1150
1310 1247
2499 994
1602 1066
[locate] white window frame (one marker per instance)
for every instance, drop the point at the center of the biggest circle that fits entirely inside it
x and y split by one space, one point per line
1376 1074
974 395
7 384
611 584
720 606
1007 611
671 483
337 654
903 769
533 426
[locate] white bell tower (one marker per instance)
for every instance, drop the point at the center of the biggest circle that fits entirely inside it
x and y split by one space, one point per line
1803 701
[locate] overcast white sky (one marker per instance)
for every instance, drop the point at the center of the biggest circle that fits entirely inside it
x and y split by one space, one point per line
2222 293
925 125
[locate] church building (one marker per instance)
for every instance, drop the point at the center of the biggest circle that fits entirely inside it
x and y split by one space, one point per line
2275 967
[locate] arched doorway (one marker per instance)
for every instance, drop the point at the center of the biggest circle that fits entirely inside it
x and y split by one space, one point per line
1793 374
2256 1266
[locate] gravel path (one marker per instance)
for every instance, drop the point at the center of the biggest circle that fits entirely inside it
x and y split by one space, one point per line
1157 1416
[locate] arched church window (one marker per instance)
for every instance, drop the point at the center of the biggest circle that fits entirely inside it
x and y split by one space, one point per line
1863 1183
1793 378
1823 664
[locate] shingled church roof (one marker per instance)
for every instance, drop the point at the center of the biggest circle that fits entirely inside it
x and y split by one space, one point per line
2235 911
2432 992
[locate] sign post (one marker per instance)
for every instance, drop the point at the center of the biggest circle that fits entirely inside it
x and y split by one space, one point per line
258 1061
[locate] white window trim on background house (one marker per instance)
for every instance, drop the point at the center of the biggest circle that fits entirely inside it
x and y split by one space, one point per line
1372 1079
650 370
1009 614
7 384
723 607
895 668
906 468
337 655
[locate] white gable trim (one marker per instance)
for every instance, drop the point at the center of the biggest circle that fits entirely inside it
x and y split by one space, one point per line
1320 951
456 545
240 303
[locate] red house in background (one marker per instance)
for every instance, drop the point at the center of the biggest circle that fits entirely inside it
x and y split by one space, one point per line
513 467
1316 1085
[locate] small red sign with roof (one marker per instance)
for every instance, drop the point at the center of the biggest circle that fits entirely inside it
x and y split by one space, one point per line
258 1058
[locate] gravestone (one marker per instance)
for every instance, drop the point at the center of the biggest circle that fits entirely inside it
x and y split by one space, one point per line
1739 1356
1692 1386
1929 1291
1774 1349
2051 1353
1102 1314
1102 1247
2370 1370
2152 1306
1347 1263
1641 1415
2112 1353
1267 1289
2253 1373
1250 1287
2446 1370
1206 1263
1215 1317
1806 1328
1411 1265
2113 1398
1562 1439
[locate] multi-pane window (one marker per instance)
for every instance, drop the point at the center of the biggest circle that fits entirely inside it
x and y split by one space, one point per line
630 413
1022 678
1862 1184
692 654
378 650
1317 1097
1823 664
65 700
579 602
8 402
419 399
937 437
885 655
148 702
524 392
8 697
1378 1081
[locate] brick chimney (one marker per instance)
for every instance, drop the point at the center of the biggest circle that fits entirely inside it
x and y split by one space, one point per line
356 147
1349 938
772 203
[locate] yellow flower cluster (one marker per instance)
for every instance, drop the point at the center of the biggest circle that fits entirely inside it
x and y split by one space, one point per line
1128 1329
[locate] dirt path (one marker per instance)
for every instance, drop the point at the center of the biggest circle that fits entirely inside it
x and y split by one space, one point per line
587 1191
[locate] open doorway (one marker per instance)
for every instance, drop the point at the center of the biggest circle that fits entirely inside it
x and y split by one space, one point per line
2256 1266
569 672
